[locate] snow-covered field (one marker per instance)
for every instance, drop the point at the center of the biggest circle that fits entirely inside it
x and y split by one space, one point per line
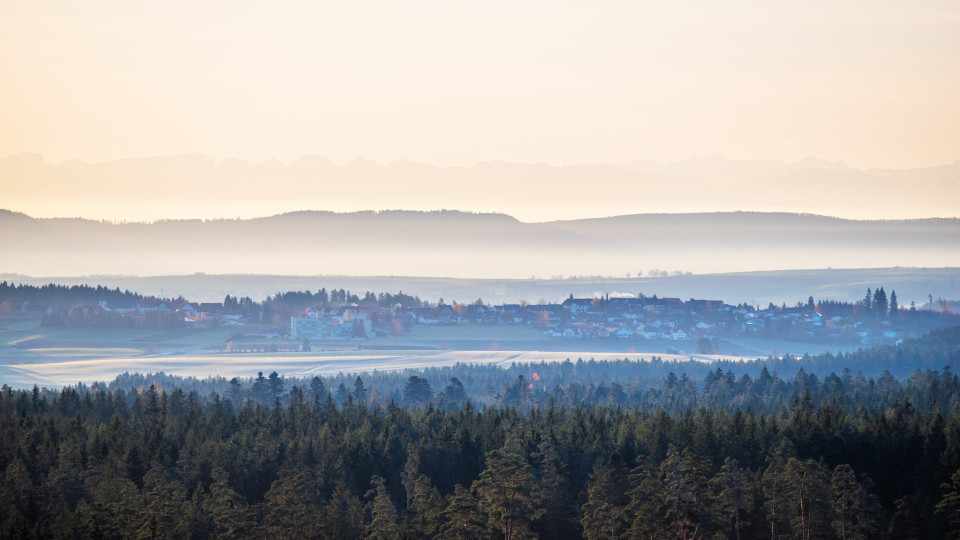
53 374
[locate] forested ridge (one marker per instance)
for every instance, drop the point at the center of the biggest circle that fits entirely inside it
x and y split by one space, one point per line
763 453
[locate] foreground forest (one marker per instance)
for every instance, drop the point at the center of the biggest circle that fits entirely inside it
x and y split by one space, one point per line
705 454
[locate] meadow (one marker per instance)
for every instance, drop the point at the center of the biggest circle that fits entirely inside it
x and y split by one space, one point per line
31 354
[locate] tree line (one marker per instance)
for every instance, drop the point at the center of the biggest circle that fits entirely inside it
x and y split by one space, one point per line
63 294
650 383
708 455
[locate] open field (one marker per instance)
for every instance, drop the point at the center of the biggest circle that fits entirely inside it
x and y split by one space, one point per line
27 342
59 373
31 354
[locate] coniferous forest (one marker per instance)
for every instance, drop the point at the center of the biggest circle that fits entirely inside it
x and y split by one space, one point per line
783 448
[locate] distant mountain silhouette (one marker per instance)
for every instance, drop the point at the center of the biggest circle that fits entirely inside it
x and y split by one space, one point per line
465 244
232 187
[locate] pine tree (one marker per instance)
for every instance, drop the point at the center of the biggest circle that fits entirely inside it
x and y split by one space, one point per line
508 494
774 487
735 494
453 395
908 520
807 502
342 517
236 392
318 390
231 516
116 504
846 493
342 394
463 518
949 505
880 302
410 474
16 497
383 515
166 504
646 502
554 481
260 390
605 513
417 392
274 386
863 512
288 508
424 517
687 499
894 306
359 391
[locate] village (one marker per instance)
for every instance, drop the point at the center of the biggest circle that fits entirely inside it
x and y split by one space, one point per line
636 318
305 321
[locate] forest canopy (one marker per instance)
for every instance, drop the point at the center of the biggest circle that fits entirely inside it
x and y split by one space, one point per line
709 455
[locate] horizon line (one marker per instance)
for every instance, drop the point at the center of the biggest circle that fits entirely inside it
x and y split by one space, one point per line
377 212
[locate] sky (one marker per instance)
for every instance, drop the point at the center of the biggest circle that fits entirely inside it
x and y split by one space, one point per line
452 83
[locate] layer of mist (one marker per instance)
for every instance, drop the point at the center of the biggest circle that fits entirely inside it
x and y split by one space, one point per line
458 244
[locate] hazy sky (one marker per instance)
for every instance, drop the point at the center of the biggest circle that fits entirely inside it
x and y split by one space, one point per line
871 83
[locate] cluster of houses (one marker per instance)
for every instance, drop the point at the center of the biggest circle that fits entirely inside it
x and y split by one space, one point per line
631 318
640 318
616 318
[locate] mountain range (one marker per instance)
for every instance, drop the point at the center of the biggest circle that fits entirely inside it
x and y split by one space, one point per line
185 186
464 244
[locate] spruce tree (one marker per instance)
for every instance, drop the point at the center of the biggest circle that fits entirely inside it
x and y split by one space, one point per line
318 391
383 515
359 391
880 302
605 513
949 505
463 518
509 494
230 514
735 494
424 517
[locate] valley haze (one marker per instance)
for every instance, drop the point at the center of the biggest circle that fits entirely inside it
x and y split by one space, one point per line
752 288
468 245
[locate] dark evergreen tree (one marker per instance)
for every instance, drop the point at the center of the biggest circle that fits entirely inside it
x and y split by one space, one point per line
342 394
734 488
424 518
318 390
949 505
509 495
359 391
230 515
343 515
463 518
383 515
880 303
453 395
417 392
605 514
274 386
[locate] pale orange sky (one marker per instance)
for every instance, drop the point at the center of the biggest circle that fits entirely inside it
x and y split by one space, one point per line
870 83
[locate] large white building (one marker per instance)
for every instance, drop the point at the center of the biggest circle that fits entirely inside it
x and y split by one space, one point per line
328 328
